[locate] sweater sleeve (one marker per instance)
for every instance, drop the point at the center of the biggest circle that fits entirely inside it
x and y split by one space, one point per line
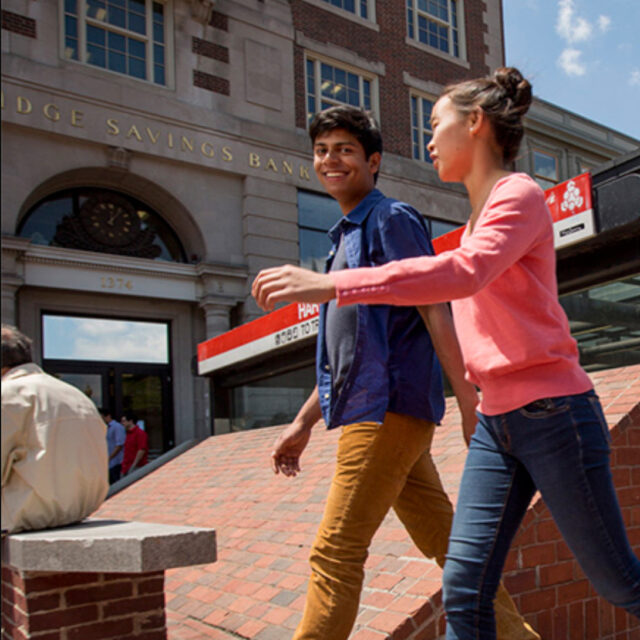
513 220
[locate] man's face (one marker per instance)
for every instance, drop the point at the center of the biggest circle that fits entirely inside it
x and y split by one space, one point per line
128 424
342 168
106 417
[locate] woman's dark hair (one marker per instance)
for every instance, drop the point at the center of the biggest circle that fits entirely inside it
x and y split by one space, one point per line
504 97
356 121
16 347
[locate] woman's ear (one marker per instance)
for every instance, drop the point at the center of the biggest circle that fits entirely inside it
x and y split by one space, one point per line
477 119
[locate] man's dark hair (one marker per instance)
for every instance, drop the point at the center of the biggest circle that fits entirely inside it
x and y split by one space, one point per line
356 121
16 347
129 415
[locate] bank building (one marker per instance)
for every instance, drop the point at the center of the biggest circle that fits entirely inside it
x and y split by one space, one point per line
155 157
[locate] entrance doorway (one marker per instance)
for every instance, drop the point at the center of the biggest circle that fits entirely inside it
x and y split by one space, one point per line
121 365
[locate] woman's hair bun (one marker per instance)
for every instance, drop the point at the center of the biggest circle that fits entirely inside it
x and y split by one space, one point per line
515 86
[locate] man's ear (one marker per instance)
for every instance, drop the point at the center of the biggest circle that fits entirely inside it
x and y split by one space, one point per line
375 160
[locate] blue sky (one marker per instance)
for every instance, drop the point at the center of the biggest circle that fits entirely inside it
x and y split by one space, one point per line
582 55
72 338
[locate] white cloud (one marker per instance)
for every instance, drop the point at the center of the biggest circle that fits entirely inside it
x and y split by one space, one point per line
634 78
569 26
604 23
569 61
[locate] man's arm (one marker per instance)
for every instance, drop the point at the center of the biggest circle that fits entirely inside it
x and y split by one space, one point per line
137 459
290 444
116 451
439 323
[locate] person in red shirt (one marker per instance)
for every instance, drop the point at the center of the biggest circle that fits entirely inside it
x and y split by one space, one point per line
136 446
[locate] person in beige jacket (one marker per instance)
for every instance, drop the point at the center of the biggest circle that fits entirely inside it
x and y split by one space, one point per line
54 449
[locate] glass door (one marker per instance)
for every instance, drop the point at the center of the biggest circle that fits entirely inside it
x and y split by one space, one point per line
121 365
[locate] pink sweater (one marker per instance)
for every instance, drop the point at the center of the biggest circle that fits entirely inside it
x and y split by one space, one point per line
513 332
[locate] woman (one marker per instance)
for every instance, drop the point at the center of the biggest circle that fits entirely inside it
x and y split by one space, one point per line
540 425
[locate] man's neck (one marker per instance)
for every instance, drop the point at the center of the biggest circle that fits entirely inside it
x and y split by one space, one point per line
349 205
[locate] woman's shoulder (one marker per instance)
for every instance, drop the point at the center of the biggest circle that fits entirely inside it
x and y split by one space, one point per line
519 184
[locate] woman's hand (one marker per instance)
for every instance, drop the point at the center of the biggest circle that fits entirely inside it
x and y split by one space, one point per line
291 284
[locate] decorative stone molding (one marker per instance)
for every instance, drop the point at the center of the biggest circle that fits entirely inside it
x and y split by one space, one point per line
119 158
201 10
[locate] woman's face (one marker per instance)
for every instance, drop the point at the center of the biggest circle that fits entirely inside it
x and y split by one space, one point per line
450 146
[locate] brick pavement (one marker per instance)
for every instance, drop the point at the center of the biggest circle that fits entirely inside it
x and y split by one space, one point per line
266 524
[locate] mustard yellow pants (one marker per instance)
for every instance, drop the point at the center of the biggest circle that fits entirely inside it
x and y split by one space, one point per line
378 467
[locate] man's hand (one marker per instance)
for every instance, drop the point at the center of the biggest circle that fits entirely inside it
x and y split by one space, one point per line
291 284
469 420
288 448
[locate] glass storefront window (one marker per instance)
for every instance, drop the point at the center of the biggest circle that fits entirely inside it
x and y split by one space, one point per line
605 320
316 215
271 401
78 338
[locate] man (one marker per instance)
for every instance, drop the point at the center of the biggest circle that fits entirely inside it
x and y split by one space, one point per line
136 445
116 436
380 381
54 452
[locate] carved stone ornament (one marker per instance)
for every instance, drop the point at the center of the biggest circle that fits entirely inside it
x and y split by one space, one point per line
119 158
201 10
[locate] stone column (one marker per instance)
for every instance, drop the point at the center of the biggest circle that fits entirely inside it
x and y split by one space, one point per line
216 314
13 249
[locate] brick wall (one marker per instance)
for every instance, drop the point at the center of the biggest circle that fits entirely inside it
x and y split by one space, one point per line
213 51
388 46
266 524
18 24
545 579
82 606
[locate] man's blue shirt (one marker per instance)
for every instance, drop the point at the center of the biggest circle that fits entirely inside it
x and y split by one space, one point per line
393 367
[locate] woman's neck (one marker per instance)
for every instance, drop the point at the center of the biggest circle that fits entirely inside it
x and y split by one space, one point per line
479 184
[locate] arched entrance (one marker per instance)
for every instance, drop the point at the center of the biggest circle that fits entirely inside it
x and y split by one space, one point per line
121 360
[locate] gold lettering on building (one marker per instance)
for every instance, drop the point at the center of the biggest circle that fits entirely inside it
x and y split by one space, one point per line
207 149
51 112
153 138
133 131
76 118
24 105
114 129
254 160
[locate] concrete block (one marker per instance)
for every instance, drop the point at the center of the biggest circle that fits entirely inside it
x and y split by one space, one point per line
110 546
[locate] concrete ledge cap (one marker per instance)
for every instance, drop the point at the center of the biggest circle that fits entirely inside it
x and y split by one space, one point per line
109 546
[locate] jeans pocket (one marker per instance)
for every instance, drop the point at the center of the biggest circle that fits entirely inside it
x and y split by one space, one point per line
545 408
594 401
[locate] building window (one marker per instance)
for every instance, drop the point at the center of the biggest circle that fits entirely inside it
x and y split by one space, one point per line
435 23
603 320
316 215
329 85
357 7
421 126
101 220
125 36
440 227
545 169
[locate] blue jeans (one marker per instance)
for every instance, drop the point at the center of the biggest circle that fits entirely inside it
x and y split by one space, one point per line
560 447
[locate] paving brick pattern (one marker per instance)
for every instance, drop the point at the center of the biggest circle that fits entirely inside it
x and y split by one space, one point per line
266 524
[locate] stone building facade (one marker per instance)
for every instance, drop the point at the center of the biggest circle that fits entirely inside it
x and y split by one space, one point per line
155 158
